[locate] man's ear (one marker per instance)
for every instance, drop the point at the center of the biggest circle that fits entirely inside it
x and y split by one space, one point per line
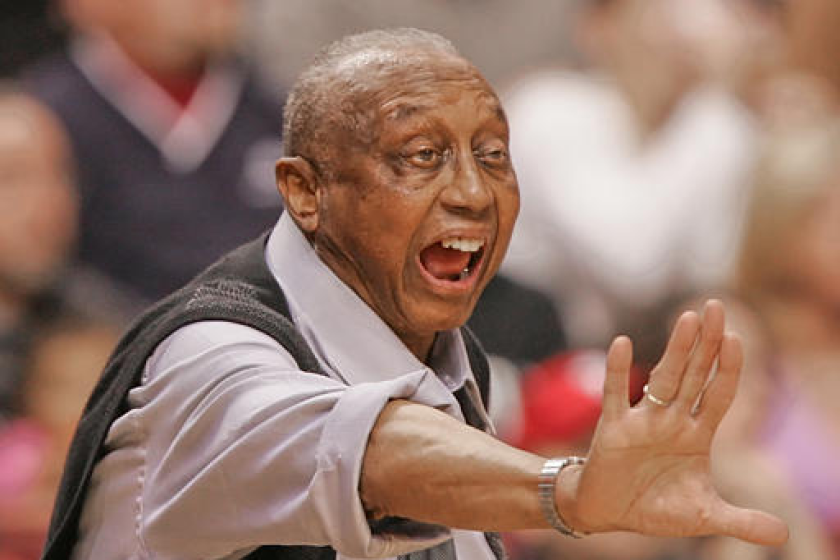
298 184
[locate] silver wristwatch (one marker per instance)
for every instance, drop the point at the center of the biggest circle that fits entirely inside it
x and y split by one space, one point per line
547 482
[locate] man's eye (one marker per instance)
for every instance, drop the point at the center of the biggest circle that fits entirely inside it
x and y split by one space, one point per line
493 156
425 157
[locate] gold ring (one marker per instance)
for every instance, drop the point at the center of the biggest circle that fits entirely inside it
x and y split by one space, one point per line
654 399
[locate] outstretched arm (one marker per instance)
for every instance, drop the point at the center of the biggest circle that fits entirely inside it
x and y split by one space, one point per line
647 471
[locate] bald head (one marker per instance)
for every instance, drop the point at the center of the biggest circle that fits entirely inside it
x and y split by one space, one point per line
335 98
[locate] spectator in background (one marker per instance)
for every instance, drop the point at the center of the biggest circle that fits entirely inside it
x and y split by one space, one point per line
174 140
633 172
38 221
49 354
37 224
790 274
63 364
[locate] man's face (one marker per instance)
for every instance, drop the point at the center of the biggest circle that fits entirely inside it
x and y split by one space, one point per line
418 219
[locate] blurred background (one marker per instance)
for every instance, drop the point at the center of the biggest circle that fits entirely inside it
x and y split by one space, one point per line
667 151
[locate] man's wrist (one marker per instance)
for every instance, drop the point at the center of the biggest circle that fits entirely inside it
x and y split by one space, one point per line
557 494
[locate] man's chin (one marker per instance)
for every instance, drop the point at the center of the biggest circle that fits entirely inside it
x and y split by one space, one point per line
445 320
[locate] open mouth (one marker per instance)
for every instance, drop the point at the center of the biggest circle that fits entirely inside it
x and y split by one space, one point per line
454 259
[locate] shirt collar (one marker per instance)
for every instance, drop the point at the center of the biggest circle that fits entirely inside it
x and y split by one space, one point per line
347 336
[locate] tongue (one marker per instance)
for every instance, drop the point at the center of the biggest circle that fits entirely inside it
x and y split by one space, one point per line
442 263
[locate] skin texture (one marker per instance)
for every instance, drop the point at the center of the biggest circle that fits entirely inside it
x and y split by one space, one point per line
435 164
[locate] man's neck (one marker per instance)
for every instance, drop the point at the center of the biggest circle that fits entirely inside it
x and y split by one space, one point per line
420 346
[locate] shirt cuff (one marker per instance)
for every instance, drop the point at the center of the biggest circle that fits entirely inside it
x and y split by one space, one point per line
335 486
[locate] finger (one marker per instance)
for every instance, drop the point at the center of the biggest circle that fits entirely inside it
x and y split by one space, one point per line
750 525
666 376
721 391
704 355
616 384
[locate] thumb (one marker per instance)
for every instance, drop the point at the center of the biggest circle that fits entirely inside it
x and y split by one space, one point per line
750 525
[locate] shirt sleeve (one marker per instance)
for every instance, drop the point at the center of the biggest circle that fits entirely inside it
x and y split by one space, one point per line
244 449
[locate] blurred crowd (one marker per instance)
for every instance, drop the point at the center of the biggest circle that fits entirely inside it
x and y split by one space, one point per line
667 151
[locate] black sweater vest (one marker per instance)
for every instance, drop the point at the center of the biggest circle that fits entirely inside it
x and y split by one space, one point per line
238 288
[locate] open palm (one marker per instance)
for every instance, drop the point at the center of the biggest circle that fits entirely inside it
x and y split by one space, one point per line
648 469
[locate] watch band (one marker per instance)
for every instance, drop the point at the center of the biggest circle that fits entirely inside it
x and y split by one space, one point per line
547 482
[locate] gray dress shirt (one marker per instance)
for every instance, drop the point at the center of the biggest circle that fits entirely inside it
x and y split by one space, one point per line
228 443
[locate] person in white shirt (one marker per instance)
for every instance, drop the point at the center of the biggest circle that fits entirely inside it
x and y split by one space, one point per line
634 171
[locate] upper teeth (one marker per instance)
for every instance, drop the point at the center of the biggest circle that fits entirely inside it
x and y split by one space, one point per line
463 244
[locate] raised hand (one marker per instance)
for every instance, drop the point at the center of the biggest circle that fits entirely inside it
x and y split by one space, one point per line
648 469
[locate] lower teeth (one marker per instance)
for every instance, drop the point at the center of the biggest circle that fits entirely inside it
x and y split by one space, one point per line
463 275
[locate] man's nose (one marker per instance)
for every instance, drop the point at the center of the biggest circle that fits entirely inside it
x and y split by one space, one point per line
467 192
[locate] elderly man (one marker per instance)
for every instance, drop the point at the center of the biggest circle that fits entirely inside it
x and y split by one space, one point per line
312 394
